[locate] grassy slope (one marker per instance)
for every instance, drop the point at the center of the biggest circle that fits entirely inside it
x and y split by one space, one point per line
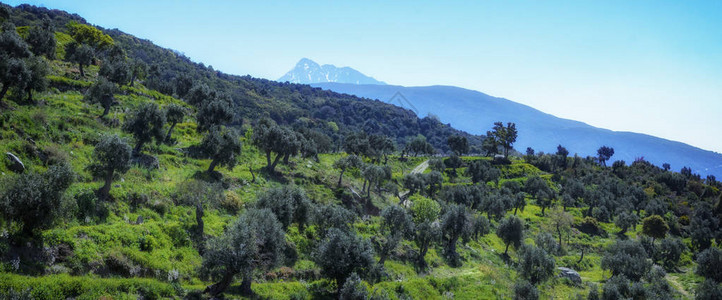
65 126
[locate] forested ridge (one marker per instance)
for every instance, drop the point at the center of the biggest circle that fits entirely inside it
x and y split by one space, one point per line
131 172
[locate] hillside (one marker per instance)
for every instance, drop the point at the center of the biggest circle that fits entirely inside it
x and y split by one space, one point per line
475 112
307 71
239 188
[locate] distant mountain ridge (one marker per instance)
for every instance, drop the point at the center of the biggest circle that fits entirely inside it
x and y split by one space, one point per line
475 112
308 71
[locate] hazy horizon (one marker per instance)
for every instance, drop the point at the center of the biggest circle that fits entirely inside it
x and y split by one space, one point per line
646 67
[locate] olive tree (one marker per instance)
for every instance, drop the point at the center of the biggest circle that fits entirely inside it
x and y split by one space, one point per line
101 92
41 39
145 124
222 145
174 114
289 203
535 264
271 138
655 227
13 52
254 241
111 156
455 223
34 200
201 195
511 231
708 262
627 258
396 225
81 54
345 163
342 253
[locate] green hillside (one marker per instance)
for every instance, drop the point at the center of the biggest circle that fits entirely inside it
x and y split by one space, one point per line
355 183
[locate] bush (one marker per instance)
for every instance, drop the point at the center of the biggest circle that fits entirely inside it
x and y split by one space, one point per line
535 264
708 290
590 226
670 250
524 290
708 264
353 289
627 258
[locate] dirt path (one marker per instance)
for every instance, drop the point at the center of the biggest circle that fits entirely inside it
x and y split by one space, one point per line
417 170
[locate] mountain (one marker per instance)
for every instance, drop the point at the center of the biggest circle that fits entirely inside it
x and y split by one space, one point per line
475 112
307 71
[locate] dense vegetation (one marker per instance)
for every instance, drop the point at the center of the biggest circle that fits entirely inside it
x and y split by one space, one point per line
146 175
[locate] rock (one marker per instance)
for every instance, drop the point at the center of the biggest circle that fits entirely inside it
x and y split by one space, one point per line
139 220
570 274
16 165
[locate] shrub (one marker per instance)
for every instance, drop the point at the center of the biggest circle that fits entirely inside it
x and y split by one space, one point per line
353 289
524 290
708 264
627 258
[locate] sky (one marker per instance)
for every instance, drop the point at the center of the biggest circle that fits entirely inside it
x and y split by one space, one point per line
652 67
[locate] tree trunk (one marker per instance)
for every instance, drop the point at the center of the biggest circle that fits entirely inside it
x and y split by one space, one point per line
268 161
106 109
421 260
132 79
212 166
199 219
221 286
252 175
559 231
137 148
246 286
275 162
515 208
82 74
170 131
340 178
4 91
105 190
285 158
30 95
506 249
581 257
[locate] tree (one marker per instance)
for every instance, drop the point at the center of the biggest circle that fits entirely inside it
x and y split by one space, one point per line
41 39
703 226
199 94
708 290
345 163
573 190
505 136
101 92
13 51
271 138
396 225
380 146
138 70
425 211
80 54
535 264
375 175
561 156
455 223
627 258
35 200
538 189
174 114
214 113
289 203
434 180
708 262
655 227
625 220
116 70
37 81
458 144
145 124
604 153
353 289
419 145
510 230
111 156
482 171
357 143
561 222
437 164
222 145
89 35
670 251
201 195
489 144
453 162
342 253
524 290
332 216
254 241
182 84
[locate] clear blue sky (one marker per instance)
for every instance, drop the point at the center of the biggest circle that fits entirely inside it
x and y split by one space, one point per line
653 67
